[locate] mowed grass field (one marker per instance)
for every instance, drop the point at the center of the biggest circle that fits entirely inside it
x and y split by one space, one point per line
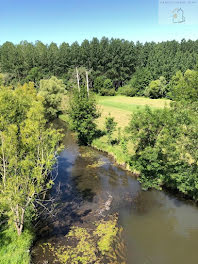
122 107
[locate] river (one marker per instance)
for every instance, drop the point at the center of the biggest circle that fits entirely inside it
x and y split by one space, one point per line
158 228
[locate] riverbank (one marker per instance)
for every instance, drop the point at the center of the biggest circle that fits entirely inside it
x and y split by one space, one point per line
113 151
121 108
121 148
15 249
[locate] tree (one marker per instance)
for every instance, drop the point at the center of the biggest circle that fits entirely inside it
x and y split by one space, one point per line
107 89
185 86
27 153
53 59
165 145
157 88
1 79
110 126
99 83
139 81
117 59
52 91
34 75
83 112
108 84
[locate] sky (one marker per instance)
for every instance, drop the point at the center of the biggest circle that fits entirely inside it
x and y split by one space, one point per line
75 20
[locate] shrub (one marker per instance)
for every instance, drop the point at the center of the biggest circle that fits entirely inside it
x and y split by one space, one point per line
184 86
165 145
110 126
127 90
140 80
104 86
99 83
156 89
106 92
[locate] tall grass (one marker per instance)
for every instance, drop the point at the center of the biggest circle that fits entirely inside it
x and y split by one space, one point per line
14 249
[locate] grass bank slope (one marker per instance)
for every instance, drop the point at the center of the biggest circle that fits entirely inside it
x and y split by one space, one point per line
15 249
121 108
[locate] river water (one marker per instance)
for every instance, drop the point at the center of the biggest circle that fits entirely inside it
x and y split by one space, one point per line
158 228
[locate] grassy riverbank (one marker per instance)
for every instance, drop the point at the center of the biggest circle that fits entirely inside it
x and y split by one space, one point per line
15 249
122 109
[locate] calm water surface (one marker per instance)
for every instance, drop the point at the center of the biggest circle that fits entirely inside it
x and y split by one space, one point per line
158 228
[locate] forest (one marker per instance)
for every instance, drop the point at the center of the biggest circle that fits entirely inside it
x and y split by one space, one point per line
112 63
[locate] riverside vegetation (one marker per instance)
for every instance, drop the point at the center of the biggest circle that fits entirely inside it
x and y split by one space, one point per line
28 153
160 144
158 141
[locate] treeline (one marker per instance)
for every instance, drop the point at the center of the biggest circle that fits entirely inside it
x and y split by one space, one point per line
116 60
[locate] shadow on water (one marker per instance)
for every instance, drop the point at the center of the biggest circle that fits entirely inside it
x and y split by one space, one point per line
158 227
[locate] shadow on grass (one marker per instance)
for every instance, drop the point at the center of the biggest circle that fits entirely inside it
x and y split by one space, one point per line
99 133
5 238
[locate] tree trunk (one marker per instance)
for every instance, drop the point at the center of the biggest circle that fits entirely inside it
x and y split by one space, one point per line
78 80
19 219
87 78
4 161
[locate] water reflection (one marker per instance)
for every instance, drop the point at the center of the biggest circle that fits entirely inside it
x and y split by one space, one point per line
158 231
158 228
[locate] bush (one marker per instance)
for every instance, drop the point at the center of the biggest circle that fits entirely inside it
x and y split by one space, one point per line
99 83
184 86
110 126
104 86
108 84
15 249
156 89
127 90
106 92
140 80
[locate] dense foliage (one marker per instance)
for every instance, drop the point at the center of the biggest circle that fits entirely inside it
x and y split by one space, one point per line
27 153
115 59
83 112
110 126
165 144
52 91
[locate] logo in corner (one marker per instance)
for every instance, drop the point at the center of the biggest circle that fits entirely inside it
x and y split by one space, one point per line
178 15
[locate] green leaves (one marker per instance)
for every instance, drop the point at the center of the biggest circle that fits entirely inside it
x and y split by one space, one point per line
157 88
166 147
110 126
52 91
83 112
27 152
185 86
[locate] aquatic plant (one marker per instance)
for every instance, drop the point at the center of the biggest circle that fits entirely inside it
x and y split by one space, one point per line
89 246
106 231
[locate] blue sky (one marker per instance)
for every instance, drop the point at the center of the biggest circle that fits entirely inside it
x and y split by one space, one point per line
71 20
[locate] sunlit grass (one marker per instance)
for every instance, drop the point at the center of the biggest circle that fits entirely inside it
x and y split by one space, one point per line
14 249
122 107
